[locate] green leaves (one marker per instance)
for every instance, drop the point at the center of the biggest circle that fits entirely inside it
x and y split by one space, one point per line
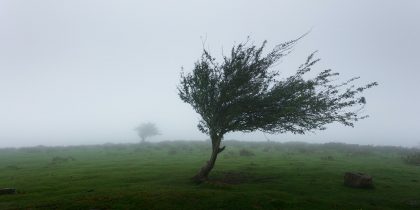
243 93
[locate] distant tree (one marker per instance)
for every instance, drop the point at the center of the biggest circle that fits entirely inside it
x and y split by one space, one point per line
146 130
243 93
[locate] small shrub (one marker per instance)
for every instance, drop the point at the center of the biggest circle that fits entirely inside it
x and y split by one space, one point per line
246 153
412 159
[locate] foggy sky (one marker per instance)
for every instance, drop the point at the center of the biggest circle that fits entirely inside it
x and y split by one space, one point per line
89 71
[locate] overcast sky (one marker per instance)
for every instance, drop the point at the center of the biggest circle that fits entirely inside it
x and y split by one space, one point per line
89 71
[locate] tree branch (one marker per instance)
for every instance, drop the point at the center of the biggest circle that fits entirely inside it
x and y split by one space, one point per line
221 149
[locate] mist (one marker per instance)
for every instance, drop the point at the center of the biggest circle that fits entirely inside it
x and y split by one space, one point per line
89 72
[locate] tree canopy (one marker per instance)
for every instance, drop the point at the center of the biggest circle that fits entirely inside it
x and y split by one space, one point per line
243 93
146 130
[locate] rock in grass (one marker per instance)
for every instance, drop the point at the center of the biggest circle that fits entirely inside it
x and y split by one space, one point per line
6 191
358 180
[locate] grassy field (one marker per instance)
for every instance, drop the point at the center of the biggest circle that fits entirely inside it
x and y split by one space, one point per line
156 176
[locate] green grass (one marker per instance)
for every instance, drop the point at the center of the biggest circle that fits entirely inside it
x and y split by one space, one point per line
156 176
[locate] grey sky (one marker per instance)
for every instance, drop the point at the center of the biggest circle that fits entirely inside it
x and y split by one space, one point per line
85 71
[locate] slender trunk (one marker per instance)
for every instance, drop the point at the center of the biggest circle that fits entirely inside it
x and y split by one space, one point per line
204 172
143 139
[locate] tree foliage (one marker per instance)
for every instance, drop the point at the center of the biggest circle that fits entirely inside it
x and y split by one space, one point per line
243 93
146 130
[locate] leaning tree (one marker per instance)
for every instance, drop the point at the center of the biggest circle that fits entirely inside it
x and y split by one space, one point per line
146 130
244 93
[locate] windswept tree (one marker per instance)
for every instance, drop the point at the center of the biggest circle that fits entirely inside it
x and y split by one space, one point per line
146 130
244 93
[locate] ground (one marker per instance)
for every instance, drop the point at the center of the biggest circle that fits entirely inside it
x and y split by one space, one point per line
156 176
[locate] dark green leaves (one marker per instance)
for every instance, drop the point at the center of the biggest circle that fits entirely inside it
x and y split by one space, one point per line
243 93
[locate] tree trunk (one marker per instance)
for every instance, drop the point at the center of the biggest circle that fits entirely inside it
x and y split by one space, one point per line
204 172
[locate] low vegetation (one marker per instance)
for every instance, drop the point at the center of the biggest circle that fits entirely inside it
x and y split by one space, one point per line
413 158
246 153
156 176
